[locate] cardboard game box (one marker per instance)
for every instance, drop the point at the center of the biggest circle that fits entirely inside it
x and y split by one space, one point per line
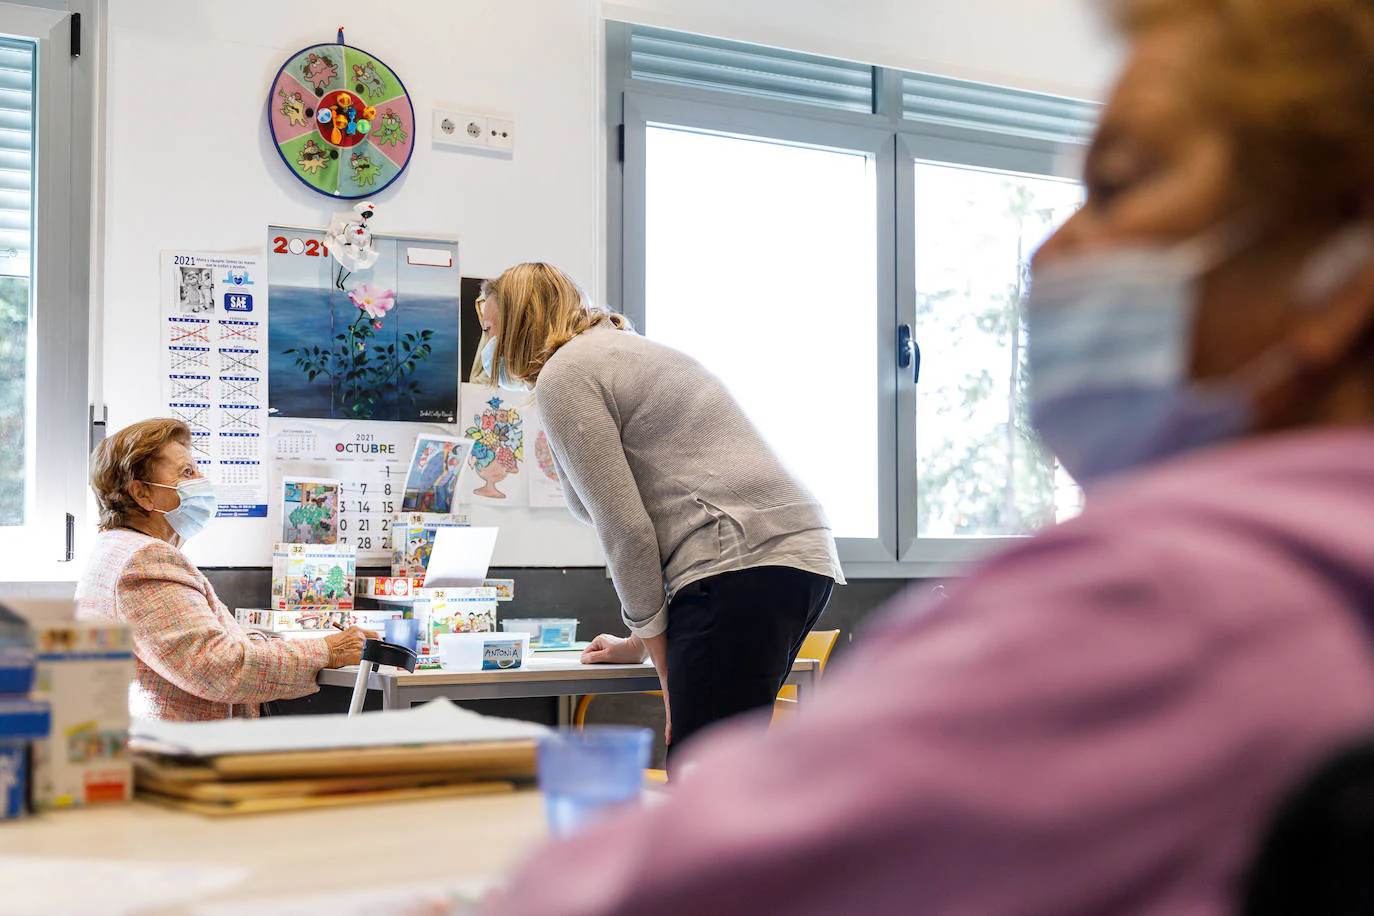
383 587
451 610
412 540
314 622
82 670
313 577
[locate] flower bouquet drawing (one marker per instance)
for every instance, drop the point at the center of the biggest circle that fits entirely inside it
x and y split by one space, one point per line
499 436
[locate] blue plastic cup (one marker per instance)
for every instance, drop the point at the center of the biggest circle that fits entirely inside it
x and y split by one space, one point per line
584 772
402 632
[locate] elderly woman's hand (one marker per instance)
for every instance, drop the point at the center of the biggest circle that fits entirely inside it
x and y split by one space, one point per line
346 647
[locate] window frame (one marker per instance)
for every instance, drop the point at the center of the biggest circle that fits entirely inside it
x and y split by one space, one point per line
642 111
63 189
898 143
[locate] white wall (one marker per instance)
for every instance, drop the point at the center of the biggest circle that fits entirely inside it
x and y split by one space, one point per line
189 163
190 166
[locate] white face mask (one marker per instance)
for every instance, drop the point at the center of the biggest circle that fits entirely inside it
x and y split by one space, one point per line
502 380
198 506
1109 342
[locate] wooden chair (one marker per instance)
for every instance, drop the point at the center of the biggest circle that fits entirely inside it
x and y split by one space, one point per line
817 645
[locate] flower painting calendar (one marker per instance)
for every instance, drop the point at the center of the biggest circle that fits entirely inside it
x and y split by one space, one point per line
374 344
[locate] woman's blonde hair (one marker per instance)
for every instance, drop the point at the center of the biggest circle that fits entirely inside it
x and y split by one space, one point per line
1293 82
539 308
123 458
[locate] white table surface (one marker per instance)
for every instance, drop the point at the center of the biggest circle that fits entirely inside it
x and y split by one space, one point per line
301 852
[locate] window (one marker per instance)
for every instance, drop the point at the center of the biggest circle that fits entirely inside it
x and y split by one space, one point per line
791 221
751 320
16 232
980 469
45 181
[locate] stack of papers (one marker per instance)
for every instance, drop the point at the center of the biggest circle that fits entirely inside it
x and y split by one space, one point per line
247 766
436 722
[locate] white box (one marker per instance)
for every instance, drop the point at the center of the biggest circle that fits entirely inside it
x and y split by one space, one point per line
453 610
83 669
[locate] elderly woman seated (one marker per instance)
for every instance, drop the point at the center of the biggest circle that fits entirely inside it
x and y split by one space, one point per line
194 660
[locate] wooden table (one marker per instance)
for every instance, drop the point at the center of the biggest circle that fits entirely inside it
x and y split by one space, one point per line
546 674
304 852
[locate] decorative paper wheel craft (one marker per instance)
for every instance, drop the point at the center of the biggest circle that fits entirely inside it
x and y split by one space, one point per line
341 120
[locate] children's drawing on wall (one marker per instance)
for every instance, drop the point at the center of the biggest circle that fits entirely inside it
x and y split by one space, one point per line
310 511
435 470
546 489
375 344
470 330
195 290
494 419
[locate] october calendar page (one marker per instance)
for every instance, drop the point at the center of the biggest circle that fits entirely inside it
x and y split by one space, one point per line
369 461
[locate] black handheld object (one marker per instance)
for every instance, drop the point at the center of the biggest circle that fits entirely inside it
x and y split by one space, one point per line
378 652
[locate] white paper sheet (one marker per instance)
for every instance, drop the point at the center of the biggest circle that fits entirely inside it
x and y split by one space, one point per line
97 887
494 418
460 557
546 489
436 722
214 369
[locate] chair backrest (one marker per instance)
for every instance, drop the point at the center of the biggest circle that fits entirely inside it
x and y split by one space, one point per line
1318 854
818 644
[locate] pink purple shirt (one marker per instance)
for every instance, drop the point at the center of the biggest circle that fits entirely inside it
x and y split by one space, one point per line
1102 720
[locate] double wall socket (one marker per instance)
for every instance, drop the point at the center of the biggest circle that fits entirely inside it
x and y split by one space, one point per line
459 128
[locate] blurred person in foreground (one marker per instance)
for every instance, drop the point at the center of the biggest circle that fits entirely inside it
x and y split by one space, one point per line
1104 719
194 661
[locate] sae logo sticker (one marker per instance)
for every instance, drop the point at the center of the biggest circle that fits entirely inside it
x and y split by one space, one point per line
238 302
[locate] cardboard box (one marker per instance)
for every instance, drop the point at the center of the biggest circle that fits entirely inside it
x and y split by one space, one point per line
453 610
22 721
317 577
384 587
318 622
83 670
16 654
505 588
412 539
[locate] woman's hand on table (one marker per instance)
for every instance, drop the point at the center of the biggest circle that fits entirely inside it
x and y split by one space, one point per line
614 650
346 647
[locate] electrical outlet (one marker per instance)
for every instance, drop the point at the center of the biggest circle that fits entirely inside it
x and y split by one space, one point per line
501 134
457 128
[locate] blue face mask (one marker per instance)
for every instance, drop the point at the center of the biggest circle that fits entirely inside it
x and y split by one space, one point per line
197 506
1109 345
504 381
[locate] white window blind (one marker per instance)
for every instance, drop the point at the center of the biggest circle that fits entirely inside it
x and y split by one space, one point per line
958 103
731 66
16 156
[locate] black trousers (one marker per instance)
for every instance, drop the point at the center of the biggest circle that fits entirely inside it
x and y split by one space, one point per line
732 639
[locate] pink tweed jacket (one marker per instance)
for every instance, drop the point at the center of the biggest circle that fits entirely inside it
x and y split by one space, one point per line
193 659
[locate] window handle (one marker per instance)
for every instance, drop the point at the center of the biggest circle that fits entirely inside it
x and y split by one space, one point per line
908 352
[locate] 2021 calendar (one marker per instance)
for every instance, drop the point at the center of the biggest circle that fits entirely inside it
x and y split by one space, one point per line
368 459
